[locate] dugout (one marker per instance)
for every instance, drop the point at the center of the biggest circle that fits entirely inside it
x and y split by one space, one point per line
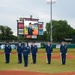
73 41
68 40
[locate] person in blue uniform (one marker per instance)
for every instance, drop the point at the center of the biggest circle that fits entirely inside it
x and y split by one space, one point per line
19 52
49 52
34 51
7 51
63 51
26 50
30 29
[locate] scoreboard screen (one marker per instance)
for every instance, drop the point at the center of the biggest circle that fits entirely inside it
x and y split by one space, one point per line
29 27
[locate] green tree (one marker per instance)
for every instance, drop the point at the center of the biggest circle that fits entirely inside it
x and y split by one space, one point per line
61 29
5 33
47 31
45 35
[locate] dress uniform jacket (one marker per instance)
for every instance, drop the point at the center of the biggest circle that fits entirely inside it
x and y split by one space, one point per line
7 49
34 49
19 50
26 50
63 49
49 49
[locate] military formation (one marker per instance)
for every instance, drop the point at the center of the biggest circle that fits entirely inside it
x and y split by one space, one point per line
23 49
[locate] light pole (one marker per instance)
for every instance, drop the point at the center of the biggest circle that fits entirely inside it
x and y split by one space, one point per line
51 2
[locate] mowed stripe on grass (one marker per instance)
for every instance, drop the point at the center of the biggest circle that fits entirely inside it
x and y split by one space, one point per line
32 73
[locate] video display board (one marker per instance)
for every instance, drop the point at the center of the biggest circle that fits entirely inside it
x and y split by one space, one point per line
29 27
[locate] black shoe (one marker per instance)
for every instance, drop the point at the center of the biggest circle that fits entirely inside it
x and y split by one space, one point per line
25 66
19 62
63 64
34 63
6 62
48 63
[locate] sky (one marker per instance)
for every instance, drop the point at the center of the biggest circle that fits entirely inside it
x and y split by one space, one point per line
12 10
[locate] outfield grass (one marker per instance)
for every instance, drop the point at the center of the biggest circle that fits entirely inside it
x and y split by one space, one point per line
41 66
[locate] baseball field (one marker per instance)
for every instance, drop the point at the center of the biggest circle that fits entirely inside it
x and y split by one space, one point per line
41 67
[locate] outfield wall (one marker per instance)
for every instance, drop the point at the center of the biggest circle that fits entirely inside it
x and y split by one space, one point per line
58 45
42 45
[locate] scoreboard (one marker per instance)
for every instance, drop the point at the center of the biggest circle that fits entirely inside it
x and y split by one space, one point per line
29 27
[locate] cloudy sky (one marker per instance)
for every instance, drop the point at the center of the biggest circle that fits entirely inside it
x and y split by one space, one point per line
11 10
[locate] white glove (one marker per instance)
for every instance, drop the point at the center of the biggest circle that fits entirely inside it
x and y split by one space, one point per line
60 53
66 53
29 55
10 53
51 53
45 53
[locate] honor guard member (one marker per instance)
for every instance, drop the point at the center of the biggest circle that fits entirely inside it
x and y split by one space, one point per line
7 51
34 51
19 52
49 51
30 29
26 50
63 51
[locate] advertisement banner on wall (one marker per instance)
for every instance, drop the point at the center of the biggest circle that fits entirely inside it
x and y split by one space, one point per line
40 32
40 28
21 31
58 46
37 44
20 25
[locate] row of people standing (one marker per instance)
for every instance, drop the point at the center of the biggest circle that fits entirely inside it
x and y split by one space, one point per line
63 52
25 49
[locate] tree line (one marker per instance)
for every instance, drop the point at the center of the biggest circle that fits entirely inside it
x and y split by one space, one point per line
60 29
6 33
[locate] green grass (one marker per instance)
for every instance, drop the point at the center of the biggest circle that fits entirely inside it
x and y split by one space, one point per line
41 66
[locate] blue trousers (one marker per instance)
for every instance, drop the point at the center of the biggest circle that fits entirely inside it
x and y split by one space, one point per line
25 60
7 58
34 58
63 58
20 58
49 58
